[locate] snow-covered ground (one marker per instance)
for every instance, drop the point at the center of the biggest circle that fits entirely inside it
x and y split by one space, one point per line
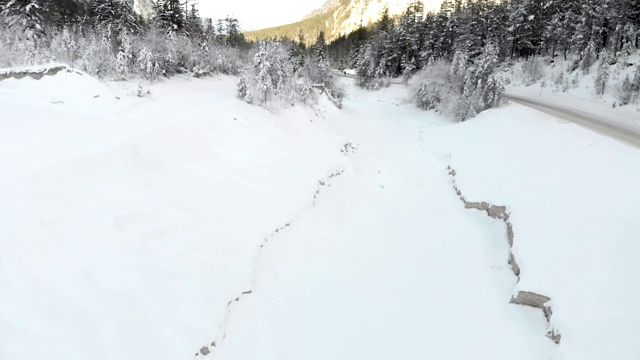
146 228
125 224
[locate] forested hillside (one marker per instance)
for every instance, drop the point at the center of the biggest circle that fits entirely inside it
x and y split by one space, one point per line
339 17
307 29
108 38
473 39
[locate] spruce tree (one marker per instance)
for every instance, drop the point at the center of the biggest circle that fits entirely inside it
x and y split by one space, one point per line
118 14
234 36
24 15
170 15
602 77
194 25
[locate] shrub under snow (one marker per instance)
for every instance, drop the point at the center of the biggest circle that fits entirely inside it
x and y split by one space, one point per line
461 88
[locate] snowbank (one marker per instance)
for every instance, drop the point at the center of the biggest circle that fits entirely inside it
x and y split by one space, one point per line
33 72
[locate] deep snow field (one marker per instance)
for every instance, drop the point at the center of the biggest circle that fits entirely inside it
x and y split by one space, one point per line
147 228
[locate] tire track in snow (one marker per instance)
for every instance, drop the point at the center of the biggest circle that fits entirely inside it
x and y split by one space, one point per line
206 352
524 298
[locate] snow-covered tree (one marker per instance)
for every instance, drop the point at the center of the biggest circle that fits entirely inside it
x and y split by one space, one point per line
170 15
317 68
268 81
24 16
482 89
589 57
602 77
194 24
118 14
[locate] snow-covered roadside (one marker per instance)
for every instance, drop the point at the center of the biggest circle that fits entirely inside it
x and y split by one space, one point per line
624 117
561 83
127 223
575 211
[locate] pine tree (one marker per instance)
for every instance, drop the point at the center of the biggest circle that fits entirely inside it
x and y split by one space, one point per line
521 30
482 89
385 23
24 15
269 81
318 64
170 15
301 41
194 25
234 36
62 13
589 57
601 79
410 40
118 14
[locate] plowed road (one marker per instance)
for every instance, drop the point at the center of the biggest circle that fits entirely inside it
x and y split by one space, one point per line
597 123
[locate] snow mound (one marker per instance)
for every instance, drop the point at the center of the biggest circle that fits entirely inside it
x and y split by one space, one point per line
34 72
54 83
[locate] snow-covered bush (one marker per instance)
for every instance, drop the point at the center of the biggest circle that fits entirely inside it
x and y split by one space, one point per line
629 90
436 82
625 92
461 88
532 71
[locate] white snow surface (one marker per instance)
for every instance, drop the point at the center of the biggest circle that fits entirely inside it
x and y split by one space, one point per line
127 224
575 209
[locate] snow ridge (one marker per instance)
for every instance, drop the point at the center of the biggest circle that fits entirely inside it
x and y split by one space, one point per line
205 351
36 73
524 298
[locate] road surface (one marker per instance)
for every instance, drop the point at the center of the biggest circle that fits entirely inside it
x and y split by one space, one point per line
595 122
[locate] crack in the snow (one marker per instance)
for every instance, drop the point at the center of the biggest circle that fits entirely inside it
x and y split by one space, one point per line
524 298
222 329
324 183
35 74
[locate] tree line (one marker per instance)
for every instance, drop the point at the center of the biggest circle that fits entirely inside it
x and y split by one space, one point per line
519 28
108 38
475 37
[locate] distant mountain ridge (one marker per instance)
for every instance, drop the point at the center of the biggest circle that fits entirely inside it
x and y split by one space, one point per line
339 17
326 7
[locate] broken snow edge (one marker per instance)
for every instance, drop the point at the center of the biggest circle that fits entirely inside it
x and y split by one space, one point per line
524 298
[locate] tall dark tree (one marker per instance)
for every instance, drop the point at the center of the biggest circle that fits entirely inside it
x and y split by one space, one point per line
170 15
24 15
231 32
194 24
118 14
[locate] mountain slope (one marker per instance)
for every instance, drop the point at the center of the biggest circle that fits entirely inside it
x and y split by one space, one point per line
338 17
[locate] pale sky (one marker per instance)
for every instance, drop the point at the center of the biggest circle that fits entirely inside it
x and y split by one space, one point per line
259 14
